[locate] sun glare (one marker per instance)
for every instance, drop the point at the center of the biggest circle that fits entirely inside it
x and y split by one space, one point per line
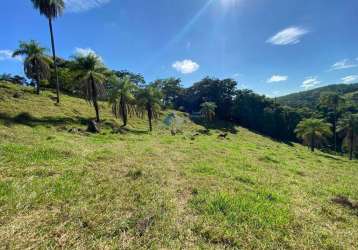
230 3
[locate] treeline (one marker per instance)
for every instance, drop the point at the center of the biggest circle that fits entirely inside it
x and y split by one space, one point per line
129 94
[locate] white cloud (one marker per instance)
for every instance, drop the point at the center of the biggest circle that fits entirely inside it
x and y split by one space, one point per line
7 55
277 78
291 35
186 66
350 79
236 75
86 52
343 64
83 5
310 82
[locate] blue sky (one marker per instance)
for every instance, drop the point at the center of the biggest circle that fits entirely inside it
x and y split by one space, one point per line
274 47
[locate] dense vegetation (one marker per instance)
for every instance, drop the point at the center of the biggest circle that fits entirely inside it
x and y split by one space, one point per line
126 188
311 98
130 95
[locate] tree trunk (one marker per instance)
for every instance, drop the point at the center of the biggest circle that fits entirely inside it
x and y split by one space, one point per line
312 143
94 98
37 78
37 85
124 111
150 117
54 60
351 146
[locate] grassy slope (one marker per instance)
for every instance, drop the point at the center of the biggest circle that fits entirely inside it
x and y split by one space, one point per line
139 190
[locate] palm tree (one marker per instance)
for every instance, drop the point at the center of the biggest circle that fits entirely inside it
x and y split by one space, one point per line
51 9
349 126
313 132
208 110
332 101
92 74
36 63
122 98
149 101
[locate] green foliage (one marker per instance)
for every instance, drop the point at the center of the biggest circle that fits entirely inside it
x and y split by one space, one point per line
311 98
171 89
149 102
208 110
91 74
122 97
348 127
313 132
36 63
49 8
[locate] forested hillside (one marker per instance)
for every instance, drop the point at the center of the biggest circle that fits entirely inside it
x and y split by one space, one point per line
311 98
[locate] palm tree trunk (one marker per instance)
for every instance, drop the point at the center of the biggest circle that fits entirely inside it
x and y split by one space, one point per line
37 85
54 60
150 117
124 111
312 143
94 98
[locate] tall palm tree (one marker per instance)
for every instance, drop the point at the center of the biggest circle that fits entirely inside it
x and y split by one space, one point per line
36 63
92 74
149 101
51 9
208 110
332 101
313 132
122 98
349 126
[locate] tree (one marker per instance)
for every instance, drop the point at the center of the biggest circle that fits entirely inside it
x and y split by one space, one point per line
208 110
349 127
171 89
91 74
36 63
332 101
313 132
122 98
51 9
136 78
149 101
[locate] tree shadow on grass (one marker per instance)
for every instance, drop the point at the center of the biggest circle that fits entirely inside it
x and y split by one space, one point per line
126 130
28 120
223 126
331 157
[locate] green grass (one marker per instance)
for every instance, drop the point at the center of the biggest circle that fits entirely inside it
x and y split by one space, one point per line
140 190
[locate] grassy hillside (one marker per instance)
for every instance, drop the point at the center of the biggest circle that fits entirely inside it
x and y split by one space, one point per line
61 187
310 98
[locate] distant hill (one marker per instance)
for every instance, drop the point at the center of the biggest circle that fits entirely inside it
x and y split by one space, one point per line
310 98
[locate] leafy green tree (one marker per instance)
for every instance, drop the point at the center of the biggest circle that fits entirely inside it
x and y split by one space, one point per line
36 63
171 89
149 101
91 74
332 101
122 98
313 132
136 78
208 110
51 9
349 127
